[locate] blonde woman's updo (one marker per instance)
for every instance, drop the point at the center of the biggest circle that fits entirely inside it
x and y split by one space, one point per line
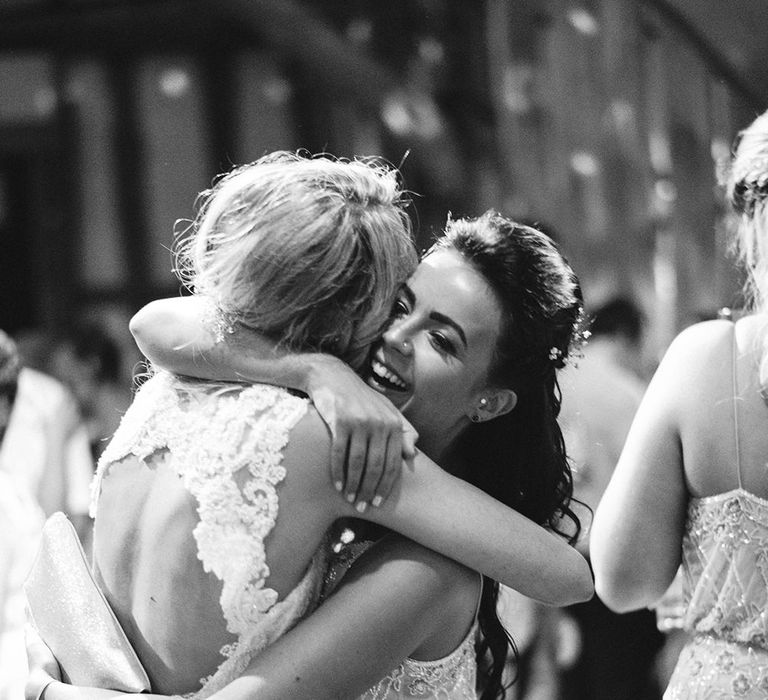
746 187
307 250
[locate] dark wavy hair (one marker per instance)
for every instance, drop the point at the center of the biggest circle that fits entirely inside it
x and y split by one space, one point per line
10 367
522 453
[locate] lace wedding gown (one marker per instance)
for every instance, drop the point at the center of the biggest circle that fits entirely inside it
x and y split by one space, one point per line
225 443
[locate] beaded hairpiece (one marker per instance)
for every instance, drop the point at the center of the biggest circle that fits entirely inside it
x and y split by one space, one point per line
218 321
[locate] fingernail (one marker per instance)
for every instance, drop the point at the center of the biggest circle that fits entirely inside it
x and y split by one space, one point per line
377 501
360 507
338 485
351 497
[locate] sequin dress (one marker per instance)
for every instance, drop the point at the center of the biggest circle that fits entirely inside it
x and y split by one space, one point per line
725 591
226 446
450 678
454 677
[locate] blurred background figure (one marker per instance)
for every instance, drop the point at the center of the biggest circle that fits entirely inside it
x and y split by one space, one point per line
20 524
546 642
601 394
45 447
89 362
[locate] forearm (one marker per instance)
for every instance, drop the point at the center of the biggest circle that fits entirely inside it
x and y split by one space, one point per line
176 335
56 690
458 520
634 558
636 538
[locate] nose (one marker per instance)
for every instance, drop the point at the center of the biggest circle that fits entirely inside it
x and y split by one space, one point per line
397 337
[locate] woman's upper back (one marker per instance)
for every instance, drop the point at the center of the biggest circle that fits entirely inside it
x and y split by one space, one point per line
187 496
682 446
725 449
722 417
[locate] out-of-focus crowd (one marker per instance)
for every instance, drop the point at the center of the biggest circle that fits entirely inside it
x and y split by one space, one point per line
60 400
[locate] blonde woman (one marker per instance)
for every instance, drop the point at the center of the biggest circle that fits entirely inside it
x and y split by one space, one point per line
691 485
214 499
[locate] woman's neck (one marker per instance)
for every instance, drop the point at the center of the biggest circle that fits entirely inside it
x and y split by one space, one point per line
439 446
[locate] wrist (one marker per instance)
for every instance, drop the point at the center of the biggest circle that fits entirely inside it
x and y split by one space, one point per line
37 685
315 369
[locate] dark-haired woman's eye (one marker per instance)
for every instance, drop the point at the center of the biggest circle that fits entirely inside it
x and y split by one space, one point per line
442 343
399 309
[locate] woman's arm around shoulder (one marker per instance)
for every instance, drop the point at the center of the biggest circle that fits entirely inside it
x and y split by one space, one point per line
370 436
637 532
459 520
452 517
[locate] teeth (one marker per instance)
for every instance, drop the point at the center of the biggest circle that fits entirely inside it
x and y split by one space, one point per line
383 373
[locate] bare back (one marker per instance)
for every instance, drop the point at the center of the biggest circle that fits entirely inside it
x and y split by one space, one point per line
723 417
190 546
682 446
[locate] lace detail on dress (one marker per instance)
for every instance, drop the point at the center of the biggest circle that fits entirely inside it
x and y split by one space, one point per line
226 443
725 588
451 678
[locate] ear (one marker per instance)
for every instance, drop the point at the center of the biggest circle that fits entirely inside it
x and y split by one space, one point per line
492 403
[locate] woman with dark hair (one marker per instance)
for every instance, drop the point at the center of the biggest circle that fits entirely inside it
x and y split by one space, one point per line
403 617
471 356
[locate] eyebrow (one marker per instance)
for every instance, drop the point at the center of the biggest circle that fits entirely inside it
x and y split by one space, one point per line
436 315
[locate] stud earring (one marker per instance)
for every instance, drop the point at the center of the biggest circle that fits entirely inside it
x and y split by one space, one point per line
483 402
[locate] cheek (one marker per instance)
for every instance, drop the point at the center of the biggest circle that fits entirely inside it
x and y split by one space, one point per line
436 382
445 399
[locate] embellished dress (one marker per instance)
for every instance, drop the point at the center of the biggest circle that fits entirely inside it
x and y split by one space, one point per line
225 443
454 677
451 678
725 591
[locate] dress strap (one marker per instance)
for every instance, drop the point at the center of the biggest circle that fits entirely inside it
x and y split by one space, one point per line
734 379
479 597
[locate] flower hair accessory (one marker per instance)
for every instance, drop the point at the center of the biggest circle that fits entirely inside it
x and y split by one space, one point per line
555 353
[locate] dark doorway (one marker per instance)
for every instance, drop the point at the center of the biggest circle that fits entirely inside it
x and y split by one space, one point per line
37 236
18 287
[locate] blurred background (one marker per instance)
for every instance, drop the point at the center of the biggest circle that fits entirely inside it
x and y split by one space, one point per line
600 119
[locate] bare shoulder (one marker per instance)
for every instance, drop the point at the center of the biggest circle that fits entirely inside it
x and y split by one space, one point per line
700 352
311 429
439 581
308 452
750 331
446 592
699 341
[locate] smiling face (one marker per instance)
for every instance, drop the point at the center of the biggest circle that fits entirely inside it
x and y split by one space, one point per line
434 359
